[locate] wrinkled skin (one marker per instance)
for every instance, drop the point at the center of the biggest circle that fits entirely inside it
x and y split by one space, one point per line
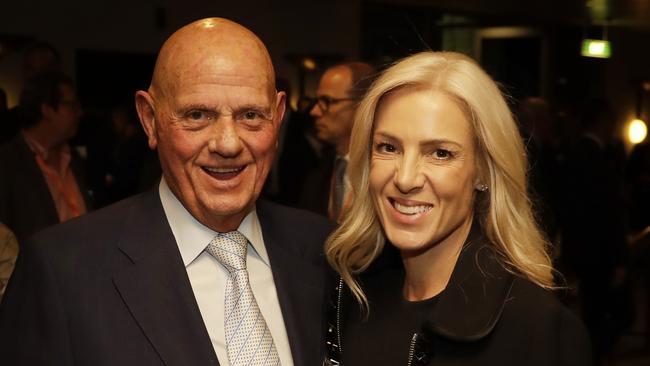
213 114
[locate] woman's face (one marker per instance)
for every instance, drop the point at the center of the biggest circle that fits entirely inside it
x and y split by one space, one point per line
423 169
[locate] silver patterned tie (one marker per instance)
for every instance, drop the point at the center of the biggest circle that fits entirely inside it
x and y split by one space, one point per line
248 339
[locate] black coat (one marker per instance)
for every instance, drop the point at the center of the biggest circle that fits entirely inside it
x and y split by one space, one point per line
485 316
110 288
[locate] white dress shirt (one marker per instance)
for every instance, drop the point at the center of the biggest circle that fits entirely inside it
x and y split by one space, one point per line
208 277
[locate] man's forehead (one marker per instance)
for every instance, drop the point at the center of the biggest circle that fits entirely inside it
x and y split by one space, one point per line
251 87
255 85
215 72
226 79
336 79
216 61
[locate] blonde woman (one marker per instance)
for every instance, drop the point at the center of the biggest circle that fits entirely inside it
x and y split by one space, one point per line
438 170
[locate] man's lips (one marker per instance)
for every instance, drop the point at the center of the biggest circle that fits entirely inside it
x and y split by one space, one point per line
224 173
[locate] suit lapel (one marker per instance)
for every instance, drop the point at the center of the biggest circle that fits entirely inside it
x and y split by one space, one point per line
299 284
33 174
156 288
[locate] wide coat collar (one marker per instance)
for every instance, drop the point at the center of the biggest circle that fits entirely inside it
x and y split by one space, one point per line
473 301
157 291
471 304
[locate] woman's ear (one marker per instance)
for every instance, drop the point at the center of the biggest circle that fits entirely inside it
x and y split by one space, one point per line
482 181
481 187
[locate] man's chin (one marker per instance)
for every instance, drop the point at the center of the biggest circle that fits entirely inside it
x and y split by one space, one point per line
225 215
321 135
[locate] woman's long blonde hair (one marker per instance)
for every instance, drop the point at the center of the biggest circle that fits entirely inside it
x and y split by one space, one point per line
506 217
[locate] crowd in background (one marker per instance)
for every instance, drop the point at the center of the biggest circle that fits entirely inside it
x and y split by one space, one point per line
591 196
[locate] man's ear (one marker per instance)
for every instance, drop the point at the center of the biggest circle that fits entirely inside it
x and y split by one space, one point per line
146 112
280 107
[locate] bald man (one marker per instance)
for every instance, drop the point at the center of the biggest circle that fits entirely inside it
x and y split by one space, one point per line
195 272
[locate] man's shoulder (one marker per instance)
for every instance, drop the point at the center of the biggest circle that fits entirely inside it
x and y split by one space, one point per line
100 226
307 229
292 217
9 149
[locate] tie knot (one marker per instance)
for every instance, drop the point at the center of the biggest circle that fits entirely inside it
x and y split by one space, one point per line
230 250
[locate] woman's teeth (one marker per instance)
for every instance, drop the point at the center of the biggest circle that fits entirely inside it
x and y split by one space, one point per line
411 210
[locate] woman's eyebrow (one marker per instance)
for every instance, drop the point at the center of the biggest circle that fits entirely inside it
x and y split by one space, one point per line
389 136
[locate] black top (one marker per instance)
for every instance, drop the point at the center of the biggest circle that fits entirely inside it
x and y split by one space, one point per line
487 315
391 323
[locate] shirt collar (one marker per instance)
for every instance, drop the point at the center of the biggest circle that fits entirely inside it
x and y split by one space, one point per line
192 236
37 148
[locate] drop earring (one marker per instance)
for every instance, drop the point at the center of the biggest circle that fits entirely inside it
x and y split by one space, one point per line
481 187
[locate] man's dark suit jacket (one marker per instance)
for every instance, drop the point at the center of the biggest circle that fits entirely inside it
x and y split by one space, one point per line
110 288
315 193
26 204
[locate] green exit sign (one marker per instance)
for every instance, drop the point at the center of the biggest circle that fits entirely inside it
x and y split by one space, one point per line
596 48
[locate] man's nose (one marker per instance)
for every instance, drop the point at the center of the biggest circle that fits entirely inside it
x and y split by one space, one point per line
408 173
316 111
224 139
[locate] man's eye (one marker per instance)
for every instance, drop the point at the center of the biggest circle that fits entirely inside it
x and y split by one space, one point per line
196 115
251 115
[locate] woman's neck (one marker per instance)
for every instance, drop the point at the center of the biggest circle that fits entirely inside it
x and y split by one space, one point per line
427 273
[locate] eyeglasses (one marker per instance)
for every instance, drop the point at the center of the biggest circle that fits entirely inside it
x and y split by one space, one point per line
325 102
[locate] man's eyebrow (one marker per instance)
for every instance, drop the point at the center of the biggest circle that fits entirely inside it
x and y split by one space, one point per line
255 107
215 108
198 106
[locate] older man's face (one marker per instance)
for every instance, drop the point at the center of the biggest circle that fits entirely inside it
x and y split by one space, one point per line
215 129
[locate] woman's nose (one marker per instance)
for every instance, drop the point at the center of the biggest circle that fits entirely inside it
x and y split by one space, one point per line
408 173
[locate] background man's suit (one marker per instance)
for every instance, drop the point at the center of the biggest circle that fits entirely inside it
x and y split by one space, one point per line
127 298
315 193
26 205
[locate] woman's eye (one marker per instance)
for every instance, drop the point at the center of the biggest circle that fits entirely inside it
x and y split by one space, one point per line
386 147
442 154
